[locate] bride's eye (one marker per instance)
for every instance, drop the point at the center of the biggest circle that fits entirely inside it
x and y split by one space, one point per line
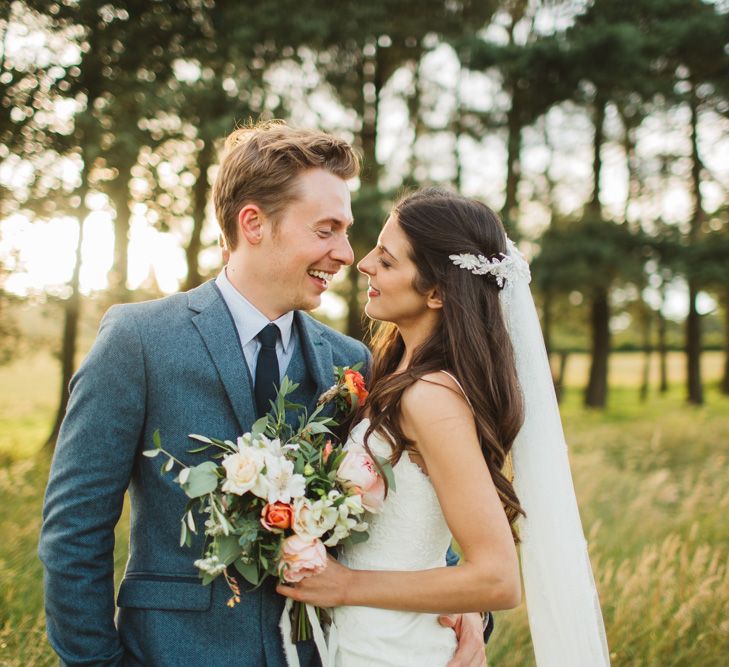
384 262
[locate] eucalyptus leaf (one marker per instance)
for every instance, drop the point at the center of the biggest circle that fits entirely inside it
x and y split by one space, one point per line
318 427
183 533
248 570
156 439
197 450
191 522
355 537
169 465
151 453
202 479
259 426
387 471
228 548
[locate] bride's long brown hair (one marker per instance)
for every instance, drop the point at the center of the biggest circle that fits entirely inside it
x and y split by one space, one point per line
470 339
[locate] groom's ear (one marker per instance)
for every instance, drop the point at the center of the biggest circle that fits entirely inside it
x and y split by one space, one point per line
434 299
250 224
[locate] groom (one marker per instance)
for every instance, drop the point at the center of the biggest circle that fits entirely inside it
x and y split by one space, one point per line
198 362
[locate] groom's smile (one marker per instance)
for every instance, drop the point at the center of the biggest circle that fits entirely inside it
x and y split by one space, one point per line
322 278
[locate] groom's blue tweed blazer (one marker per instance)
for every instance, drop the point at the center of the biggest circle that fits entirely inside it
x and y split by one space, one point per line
175 365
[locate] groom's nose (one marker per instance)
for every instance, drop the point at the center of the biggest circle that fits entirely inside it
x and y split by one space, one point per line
342 251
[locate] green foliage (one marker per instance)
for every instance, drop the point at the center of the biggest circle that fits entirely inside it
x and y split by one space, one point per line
589 254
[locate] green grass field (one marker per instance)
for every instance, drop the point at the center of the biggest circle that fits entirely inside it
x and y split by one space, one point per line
651 479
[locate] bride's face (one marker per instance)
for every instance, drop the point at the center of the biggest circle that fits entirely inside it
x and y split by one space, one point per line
391 295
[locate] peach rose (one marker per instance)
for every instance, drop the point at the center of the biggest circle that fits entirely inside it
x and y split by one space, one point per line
300 558
358 473
277 515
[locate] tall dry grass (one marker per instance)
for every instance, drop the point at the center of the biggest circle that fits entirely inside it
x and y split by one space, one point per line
654 499
652 483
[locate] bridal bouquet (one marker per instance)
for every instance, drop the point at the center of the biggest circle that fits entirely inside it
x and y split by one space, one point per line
277 497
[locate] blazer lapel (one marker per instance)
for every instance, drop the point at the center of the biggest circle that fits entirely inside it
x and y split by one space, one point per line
217 329
317 356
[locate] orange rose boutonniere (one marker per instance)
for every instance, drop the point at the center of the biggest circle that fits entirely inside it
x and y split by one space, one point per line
349 391
356 390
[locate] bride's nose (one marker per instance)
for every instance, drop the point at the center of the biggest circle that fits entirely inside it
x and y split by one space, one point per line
366 265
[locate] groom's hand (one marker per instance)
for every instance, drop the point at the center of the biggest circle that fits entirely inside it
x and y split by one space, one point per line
469 632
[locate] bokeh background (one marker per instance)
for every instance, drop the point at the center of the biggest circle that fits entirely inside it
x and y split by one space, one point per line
599 130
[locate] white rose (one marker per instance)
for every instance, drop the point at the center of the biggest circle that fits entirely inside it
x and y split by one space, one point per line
242 470
314 519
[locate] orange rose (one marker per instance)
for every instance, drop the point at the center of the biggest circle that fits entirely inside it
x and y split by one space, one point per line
355 384
277 515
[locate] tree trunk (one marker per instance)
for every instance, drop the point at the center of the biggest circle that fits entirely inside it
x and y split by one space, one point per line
415 109
199 203
371 73
694 386
513 167
559 380
594 205
71 317
597 388
457 127
119 274
662 346
725 379
647 354
596 392
695 392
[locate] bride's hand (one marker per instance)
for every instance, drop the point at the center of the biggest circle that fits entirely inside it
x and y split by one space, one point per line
326 589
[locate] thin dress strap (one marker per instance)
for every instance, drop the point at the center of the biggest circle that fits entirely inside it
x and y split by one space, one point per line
455 379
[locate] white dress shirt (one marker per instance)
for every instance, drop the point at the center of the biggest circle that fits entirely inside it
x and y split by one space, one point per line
249 321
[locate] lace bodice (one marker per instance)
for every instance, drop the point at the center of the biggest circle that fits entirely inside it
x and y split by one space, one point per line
410 533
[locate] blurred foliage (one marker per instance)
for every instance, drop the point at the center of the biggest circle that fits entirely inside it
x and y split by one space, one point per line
121 107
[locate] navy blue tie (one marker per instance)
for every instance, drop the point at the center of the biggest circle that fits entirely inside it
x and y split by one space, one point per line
267 373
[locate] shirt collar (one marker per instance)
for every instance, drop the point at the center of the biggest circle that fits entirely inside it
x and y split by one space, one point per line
248 319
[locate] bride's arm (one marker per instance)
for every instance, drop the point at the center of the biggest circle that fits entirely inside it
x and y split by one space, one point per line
440 422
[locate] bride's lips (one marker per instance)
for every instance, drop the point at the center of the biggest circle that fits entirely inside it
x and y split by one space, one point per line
372 292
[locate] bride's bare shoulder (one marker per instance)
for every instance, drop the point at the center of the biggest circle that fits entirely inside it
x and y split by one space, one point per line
434 396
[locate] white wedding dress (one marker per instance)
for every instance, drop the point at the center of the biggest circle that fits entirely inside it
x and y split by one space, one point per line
409 534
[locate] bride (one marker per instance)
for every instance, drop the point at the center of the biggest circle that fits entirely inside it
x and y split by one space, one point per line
460 380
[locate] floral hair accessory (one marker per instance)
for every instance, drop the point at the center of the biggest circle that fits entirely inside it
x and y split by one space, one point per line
503 267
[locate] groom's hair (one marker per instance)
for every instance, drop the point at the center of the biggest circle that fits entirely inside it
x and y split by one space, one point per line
261 163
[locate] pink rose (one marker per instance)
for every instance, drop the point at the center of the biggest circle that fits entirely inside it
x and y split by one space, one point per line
301 558
358 473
